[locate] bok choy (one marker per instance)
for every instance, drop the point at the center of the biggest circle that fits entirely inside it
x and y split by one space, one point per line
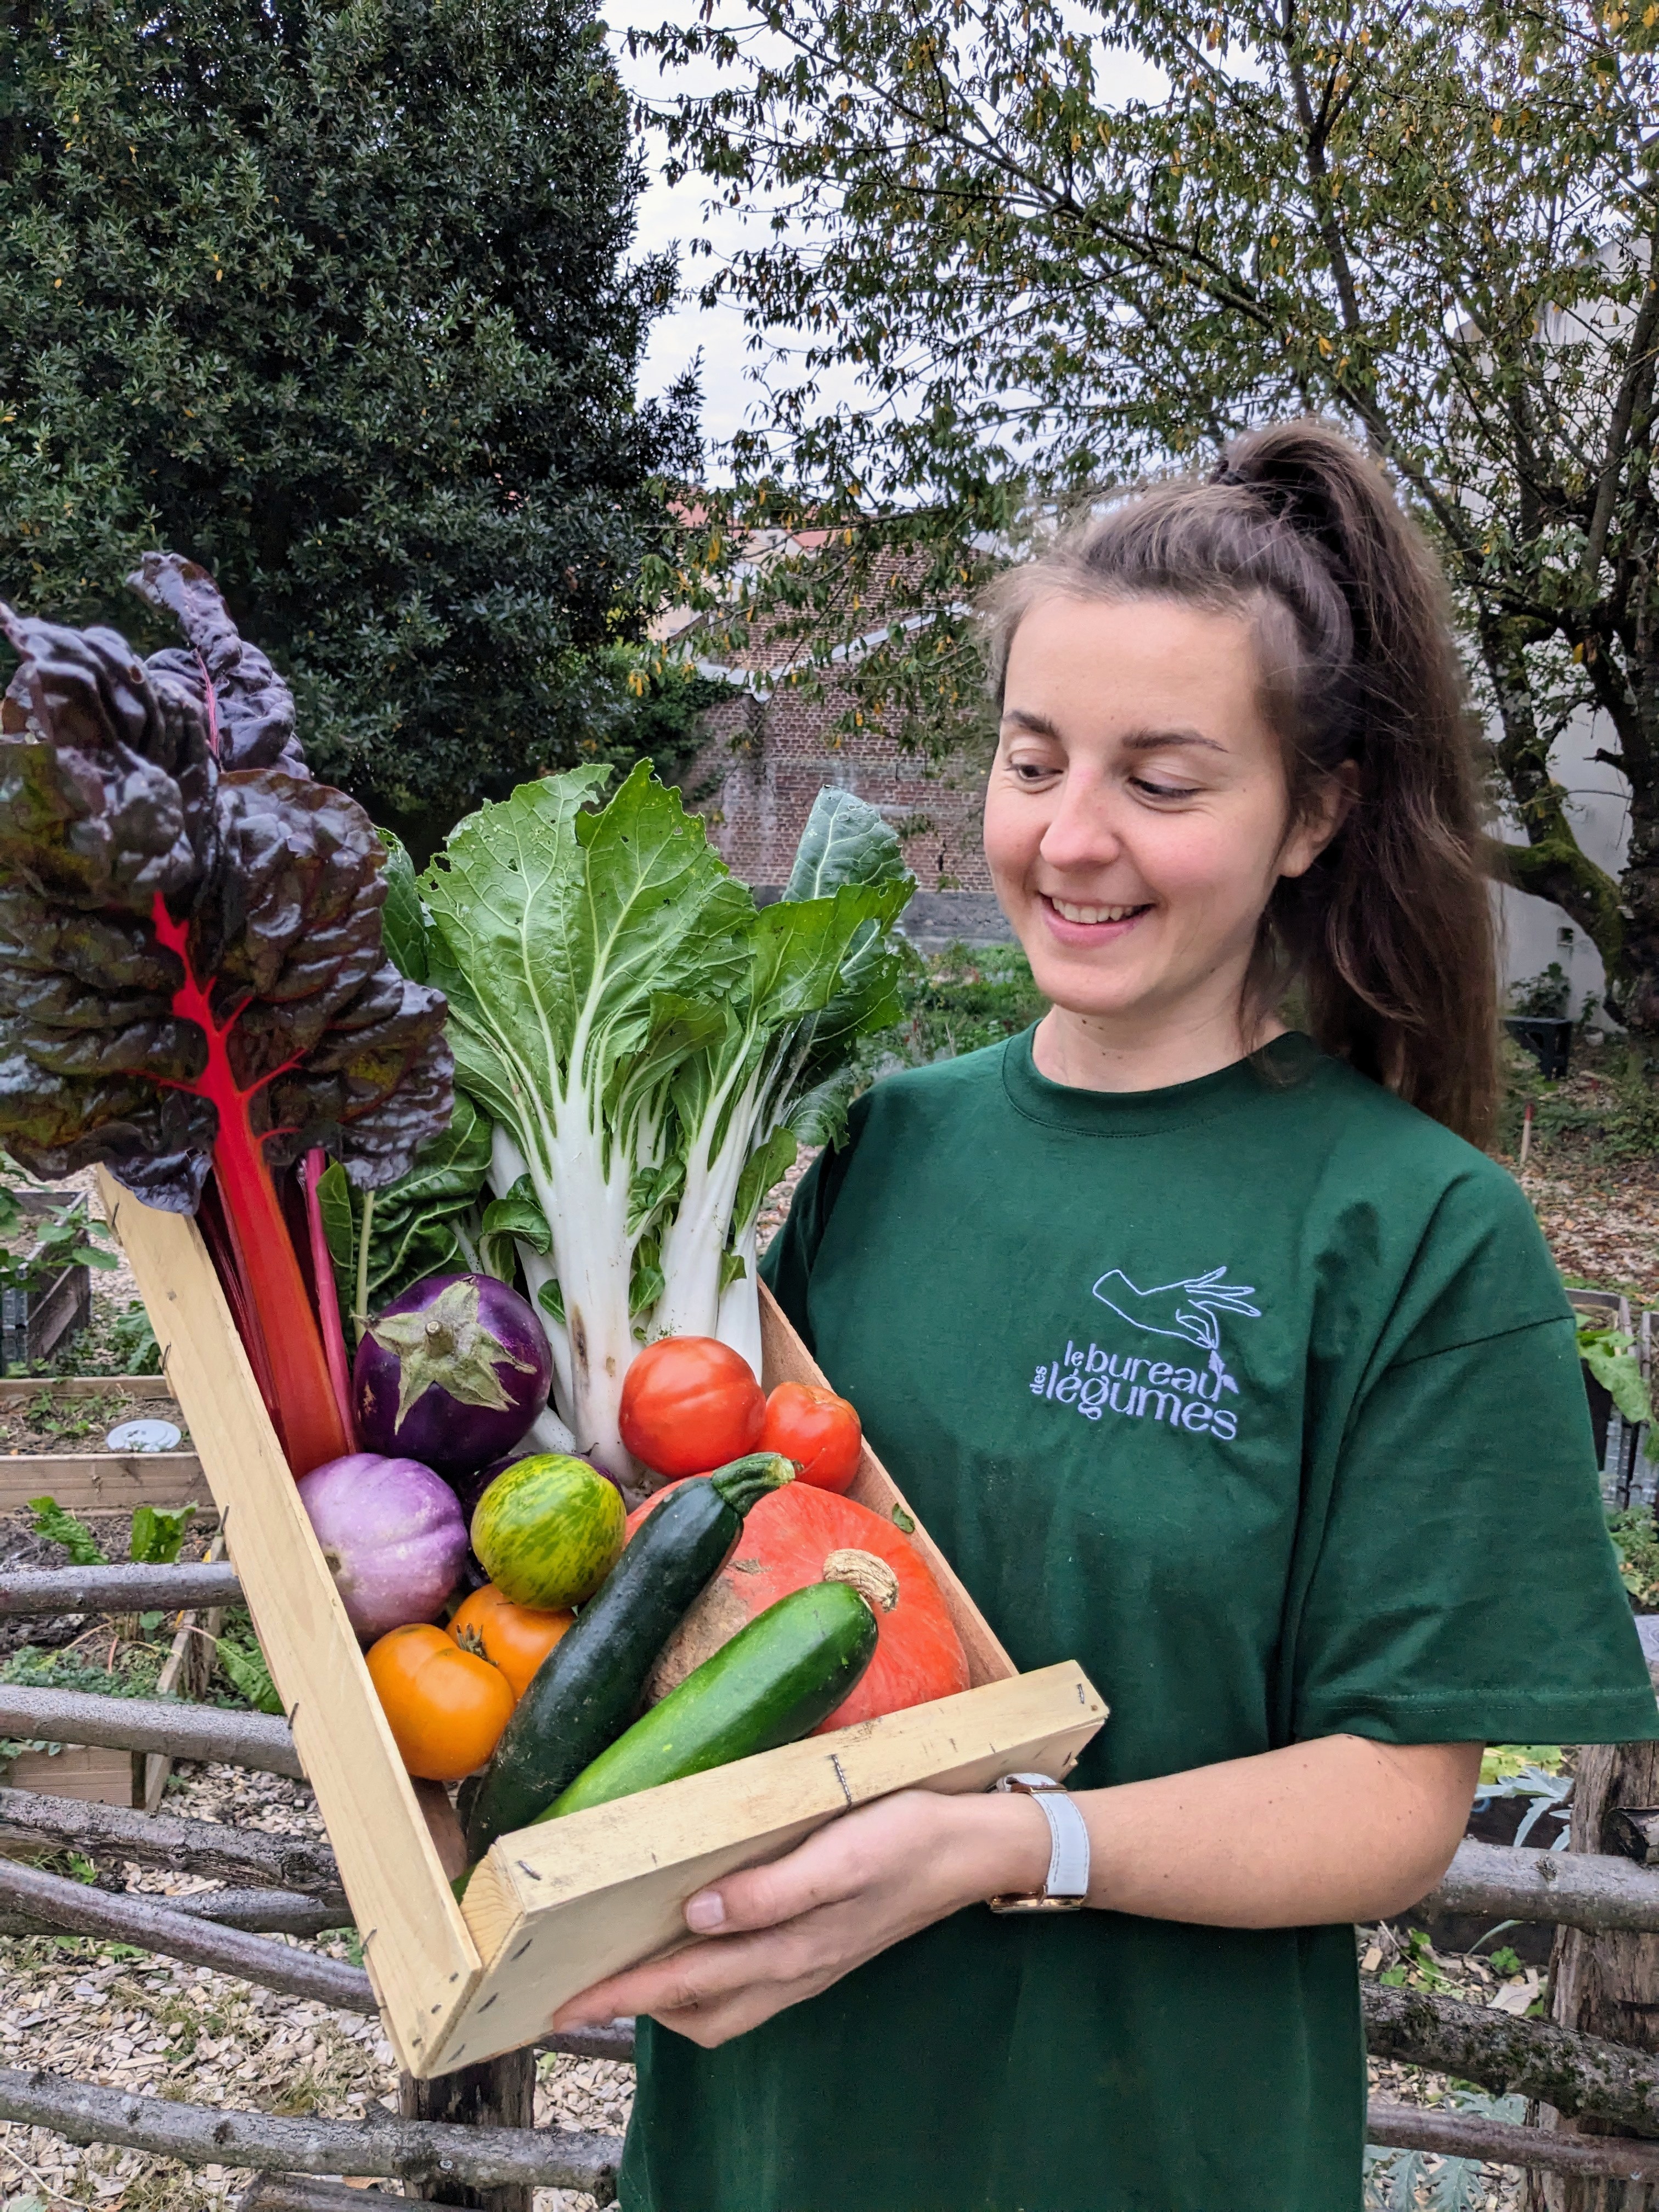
650 1047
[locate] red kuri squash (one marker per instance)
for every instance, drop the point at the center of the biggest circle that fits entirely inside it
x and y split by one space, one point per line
786 1539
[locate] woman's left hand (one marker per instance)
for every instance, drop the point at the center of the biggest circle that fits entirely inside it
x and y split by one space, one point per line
786 1931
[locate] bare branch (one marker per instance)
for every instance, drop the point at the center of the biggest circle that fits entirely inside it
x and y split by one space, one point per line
118 1590
257 1740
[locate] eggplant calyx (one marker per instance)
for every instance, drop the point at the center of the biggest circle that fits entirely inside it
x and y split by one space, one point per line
448 1345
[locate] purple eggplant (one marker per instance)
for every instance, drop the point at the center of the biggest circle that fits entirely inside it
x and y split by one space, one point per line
453 1373
393 1536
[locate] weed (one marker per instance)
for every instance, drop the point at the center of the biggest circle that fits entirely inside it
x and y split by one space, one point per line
1636 1539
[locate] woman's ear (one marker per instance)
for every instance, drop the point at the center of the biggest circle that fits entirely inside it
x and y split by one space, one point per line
1331 805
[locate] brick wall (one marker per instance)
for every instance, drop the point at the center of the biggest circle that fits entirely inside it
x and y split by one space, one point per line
765 760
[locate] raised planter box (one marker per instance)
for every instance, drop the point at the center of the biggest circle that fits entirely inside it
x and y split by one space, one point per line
90 1772
551 1908
34 1323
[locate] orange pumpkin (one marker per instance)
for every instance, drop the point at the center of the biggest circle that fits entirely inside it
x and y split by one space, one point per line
446 1706
786 1540
515 1638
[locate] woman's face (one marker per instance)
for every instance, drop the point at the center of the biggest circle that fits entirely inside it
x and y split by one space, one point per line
1135 822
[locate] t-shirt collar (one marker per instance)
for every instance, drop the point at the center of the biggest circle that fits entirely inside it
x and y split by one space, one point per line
1148 1113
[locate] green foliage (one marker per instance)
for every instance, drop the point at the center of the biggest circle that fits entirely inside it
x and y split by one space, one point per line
67 1236
133 1340
1632 1128
1636 1539
1504 1762
954 1001
1431 224
1543 997
1404 2180
58 1527
158 1532
1419 1968
341 302
1610 1356
1505 1962
243 1665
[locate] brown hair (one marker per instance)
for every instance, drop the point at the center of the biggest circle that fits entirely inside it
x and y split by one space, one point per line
1389 935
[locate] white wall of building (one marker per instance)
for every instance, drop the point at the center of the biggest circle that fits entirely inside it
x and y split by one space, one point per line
1533 932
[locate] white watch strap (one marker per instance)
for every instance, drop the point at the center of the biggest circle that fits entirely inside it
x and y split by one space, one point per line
1068 1859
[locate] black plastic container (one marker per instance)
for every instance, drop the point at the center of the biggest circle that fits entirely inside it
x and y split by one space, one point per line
1549 1040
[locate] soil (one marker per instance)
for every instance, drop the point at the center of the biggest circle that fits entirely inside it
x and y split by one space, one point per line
20 1547
51 1422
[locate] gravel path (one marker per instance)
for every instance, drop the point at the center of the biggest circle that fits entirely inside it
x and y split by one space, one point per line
148 2025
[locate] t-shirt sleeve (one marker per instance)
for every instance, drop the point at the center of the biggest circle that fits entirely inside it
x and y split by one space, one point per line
1465 1588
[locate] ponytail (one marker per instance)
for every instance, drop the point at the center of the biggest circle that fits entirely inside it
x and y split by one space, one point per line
1389 935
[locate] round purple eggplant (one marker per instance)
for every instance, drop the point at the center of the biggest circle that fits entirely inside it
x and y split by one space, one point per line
393 1536
452 1373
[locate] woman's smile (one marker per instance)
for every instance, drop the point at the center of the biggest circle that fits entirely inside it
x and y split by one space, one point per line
1077 923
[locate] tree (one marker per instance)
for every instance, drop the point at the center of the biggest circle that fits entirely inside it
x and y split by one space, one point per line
335 301
1435 222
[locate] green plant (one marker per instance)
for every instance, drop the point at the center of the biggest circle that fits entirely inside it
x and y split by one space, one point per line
1633 1127
1504 1762
1505 1962
58 1527
133 1340
243 1665
1544 997
1402 2180
1419 1968
1610 1356
954 1002
158 1531
1636 1539
66 1237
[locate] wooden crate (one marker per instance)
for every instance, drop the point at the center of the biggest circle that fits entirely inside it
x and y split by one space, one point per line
90 1772
551 1908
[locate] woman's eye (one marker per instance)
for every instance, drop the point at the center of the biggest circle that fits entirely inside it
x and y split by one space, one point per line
1165 790
1031 771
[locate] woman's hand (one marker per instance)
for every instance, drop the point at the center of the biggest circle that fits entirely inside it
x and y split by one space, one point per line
785 1931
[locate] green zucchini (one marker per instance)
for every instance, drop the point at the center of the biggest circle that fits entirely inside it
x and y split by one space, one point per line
589 1687
774 1681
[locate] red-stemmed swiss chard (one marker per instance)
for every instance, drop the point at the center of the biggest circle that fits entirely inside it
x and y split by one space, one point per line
192 975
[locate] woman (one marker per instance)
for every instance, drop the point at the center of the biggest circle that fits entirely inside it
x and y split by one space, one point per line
1216 1358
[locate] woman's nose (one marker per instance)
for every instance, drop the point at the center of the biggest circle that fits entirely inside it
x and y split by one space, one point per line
1082 832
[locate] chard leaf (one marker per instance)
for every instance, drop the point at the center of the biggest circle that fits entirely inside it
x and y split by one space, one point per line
520 1215
551 1299
767 1164
414 1222
846 840
402 921
158 1534
59 1526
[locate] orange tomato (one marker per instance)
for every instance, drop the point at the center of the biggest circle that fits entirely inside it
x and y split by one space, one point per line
446 1706
821 1432
515 1638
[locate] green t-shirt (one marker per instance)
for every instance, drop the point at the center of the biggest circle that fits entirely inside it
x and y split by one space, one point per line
1259 1397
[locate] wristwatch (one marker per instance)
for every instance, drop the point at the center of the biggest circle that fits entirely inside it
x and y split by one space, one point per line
1067 1888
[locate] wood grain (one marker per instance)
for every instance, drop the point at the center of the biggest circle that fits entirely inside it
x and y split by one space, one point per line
105 1482
784 1359
416 1944
557 1907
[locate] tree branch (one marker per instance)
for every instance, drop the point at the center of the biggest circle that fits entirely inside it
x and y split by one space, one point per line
125 1588
245 1858
1642 337
1572 1889
1462 2134
1577 2074
260 1740
415 2150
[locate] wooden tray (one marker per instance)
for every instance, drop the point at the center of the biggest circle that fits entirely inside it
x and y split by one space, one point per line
551 1908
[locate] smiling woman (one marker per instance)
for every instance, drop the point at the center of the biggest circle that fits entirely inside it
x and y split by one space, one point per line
1216 1359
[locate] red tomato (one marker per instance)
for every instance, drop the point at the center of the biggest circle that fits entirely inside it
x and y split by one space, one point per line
690 1404
818 1430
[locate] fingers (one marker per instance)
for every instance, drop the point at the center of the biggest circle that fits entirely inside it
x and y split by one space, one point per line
825 1870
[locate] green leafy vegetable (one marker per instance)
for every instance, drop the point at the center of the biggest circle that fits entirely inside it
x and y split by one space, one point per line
60 1527
424 1224
1610 1356
244 1665
158 1531
651 1047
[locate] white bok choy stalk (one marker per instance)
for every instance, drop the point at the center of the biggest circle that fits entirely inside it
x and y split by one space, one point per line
821 973
585 955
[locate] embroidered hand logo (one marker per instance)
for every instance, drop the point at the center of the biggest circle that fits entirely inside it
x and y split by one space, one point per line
1189 1309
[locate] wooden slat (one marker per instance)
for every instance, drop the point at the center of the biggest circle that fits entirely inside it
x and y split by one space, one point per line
105 1482
84 1771
416 1944
784 1359
24 1390
558 1906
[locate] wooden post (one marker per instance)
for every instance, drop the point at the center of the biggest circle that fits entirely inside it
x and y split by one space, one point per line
499 2094
1604 1982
